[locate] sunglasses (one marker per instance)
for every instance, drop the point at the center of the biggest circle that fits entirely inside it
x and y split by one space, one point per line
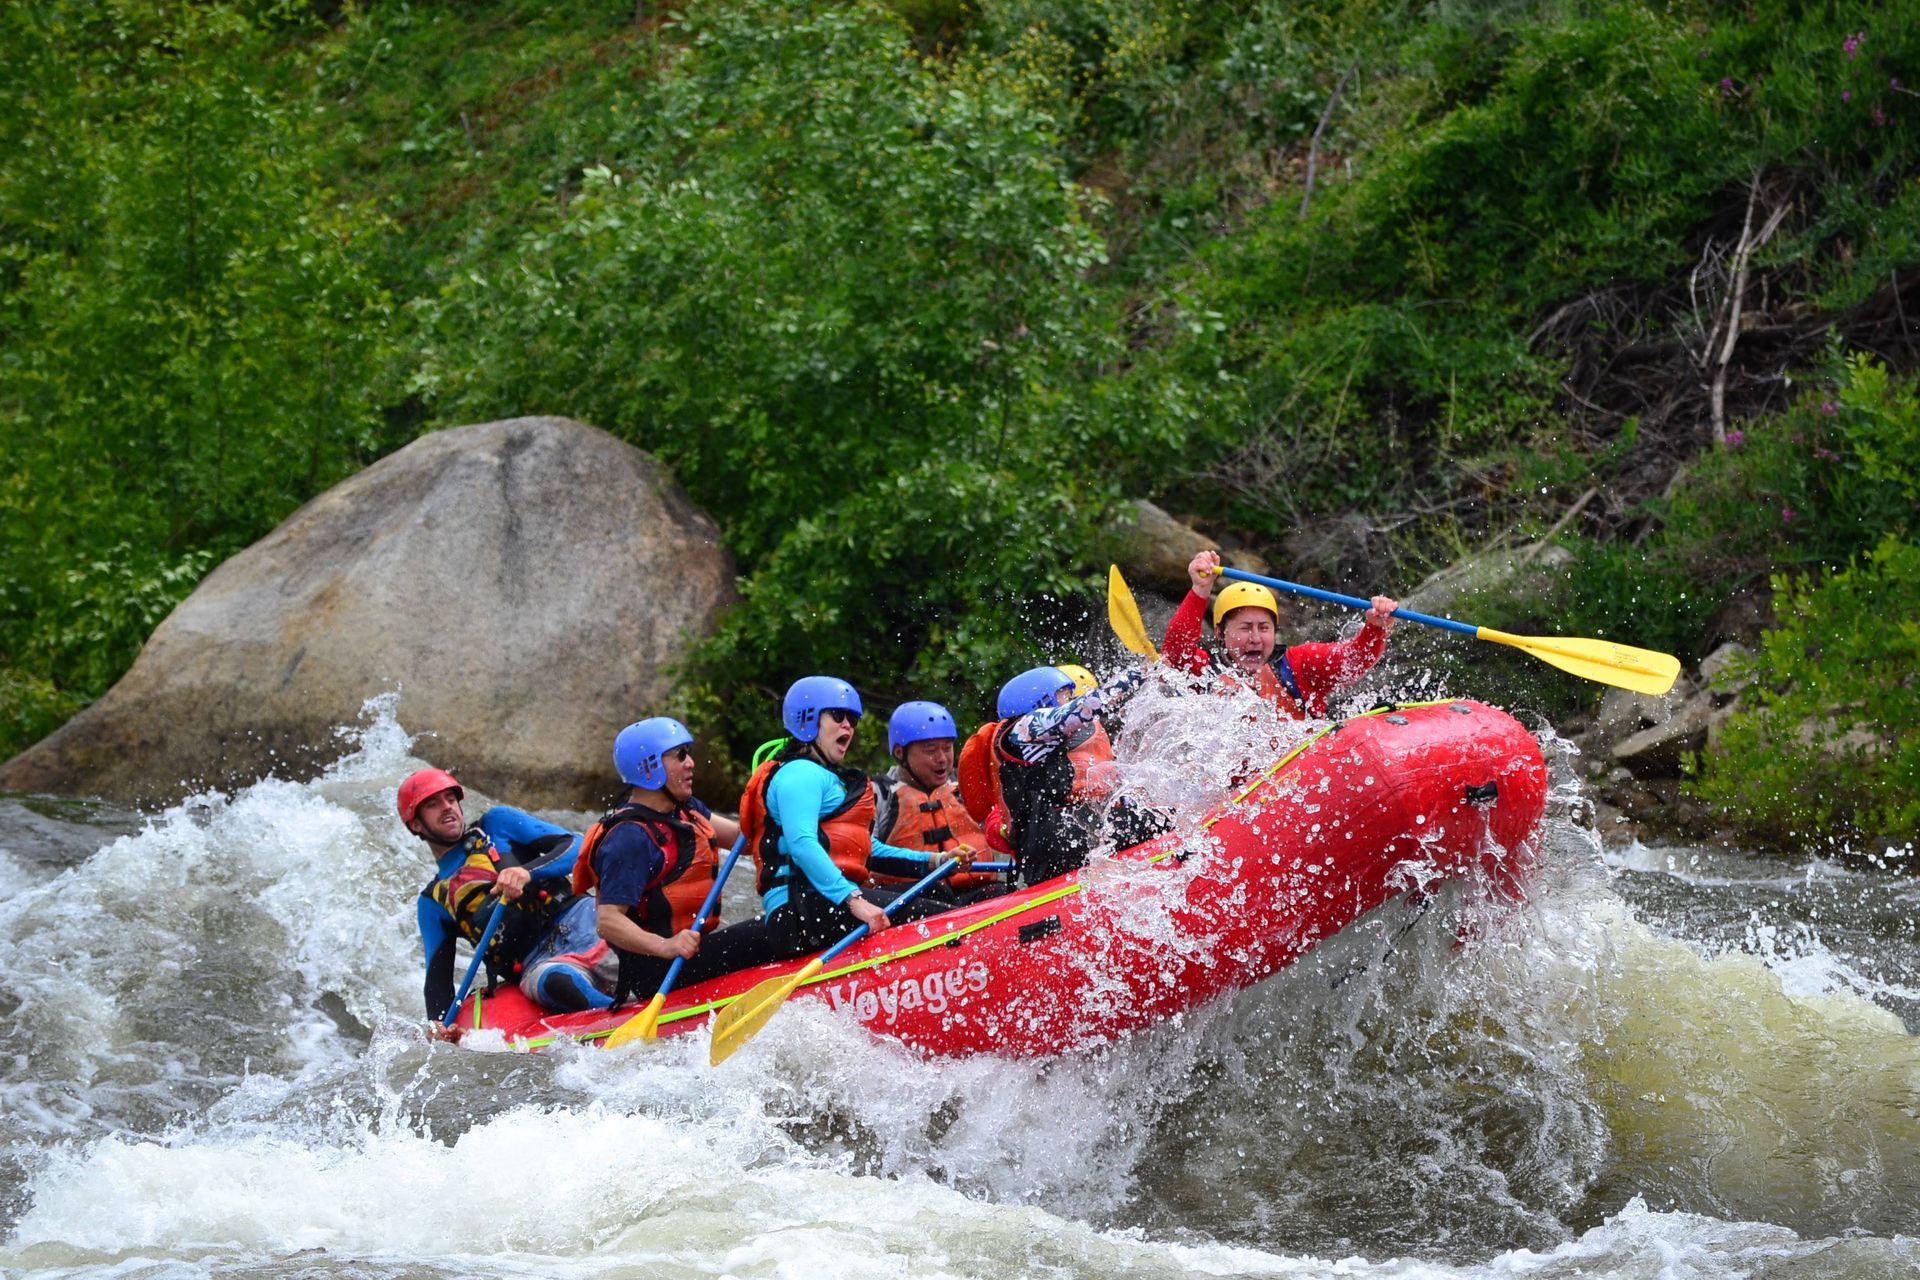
839 716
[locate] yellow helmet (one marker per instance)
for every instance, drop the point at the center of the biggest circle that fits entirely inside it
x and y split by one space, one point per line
1240 595
1082 678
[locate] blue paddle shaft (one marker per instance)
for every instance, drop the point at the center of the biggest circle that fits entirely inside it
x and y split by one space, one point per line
706 909
1352 602
906 895
473 965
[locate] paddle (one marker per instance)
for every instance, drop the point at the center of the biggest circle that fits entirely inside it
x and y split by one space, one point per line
473 965
1123 615
1641 670
740 1021
645 1025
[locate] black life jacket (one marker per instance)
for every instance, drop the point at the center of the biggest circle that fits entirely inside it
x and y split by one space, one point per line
1052 833
465 895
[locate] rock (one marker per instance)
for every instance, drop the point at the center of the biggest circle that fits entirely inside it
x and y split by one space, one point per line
1154 549
523 583
1660 751
1623 713
1536 571
1743 619
1344 553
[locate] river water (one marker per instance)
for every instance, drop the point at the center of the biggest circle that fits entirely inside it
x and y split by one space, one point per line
1672 1062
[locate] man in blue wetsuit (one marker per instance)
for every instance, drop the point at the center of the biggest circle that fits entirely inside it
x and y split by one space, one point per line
546 942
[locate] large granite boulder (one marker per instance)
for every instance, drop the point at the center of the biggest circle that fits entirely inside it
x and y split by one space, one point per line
523 584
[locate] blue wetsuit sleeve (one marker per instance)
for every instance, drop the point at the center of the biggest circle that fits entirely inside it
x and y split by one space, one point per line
799 793
894 861
515 830
438 937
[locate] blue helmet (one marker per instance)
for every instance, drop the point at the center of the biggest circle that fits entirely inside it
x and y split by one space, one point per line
808 697
640 750
919 722
1032 690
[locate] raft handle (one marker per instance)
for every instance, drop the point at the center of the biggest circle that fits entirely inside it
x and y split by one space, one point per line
1040 929
1486 793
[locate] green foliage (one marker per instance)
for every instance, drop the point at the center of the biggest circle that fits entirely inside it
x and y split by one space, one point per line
192 342
1498 167
1817 485
909 294
1828 740
844 293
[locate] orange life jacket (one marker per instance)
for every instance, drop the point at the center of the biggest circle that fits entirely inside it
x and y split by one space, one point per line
979 779
1093 766
674 898
936 822
846 833
1268 685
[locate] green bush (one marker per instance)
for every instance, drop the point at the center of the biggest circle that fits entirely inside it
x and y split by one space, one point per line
1816 485
844 293
1827 742
1497 169
191 343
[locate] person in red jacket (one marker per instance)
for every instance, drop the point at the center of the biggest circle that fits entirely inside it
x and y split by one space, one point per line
1297 679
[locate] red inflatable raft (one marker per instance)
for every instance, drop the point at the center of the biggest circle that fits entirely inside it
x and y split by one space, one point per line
1396 800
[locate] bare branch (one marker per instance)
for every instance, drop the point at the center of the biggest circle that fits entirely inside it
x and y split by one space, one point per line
1313 148
1742 255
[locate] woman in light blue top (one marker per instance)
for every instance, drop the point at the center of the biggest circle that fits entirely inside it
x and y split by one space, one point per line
808 817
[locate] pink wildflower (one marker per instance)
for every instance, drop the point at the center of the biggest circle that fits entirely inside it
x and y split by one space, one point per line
1828 407
1787 514
1852 44
1879 118
1825 454
1736 438
1846 95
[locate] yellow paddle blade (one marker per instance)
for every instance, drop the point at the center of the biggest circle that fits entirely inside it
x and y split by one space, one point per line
644 1025
1622 665
741 1021
1123 615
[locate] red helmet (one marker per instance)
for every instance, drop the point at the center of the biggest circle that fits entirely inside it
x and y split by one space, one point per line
420 787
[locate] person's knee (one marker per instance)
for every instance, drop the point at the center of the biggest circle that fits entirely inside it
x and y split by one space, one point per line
568 990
